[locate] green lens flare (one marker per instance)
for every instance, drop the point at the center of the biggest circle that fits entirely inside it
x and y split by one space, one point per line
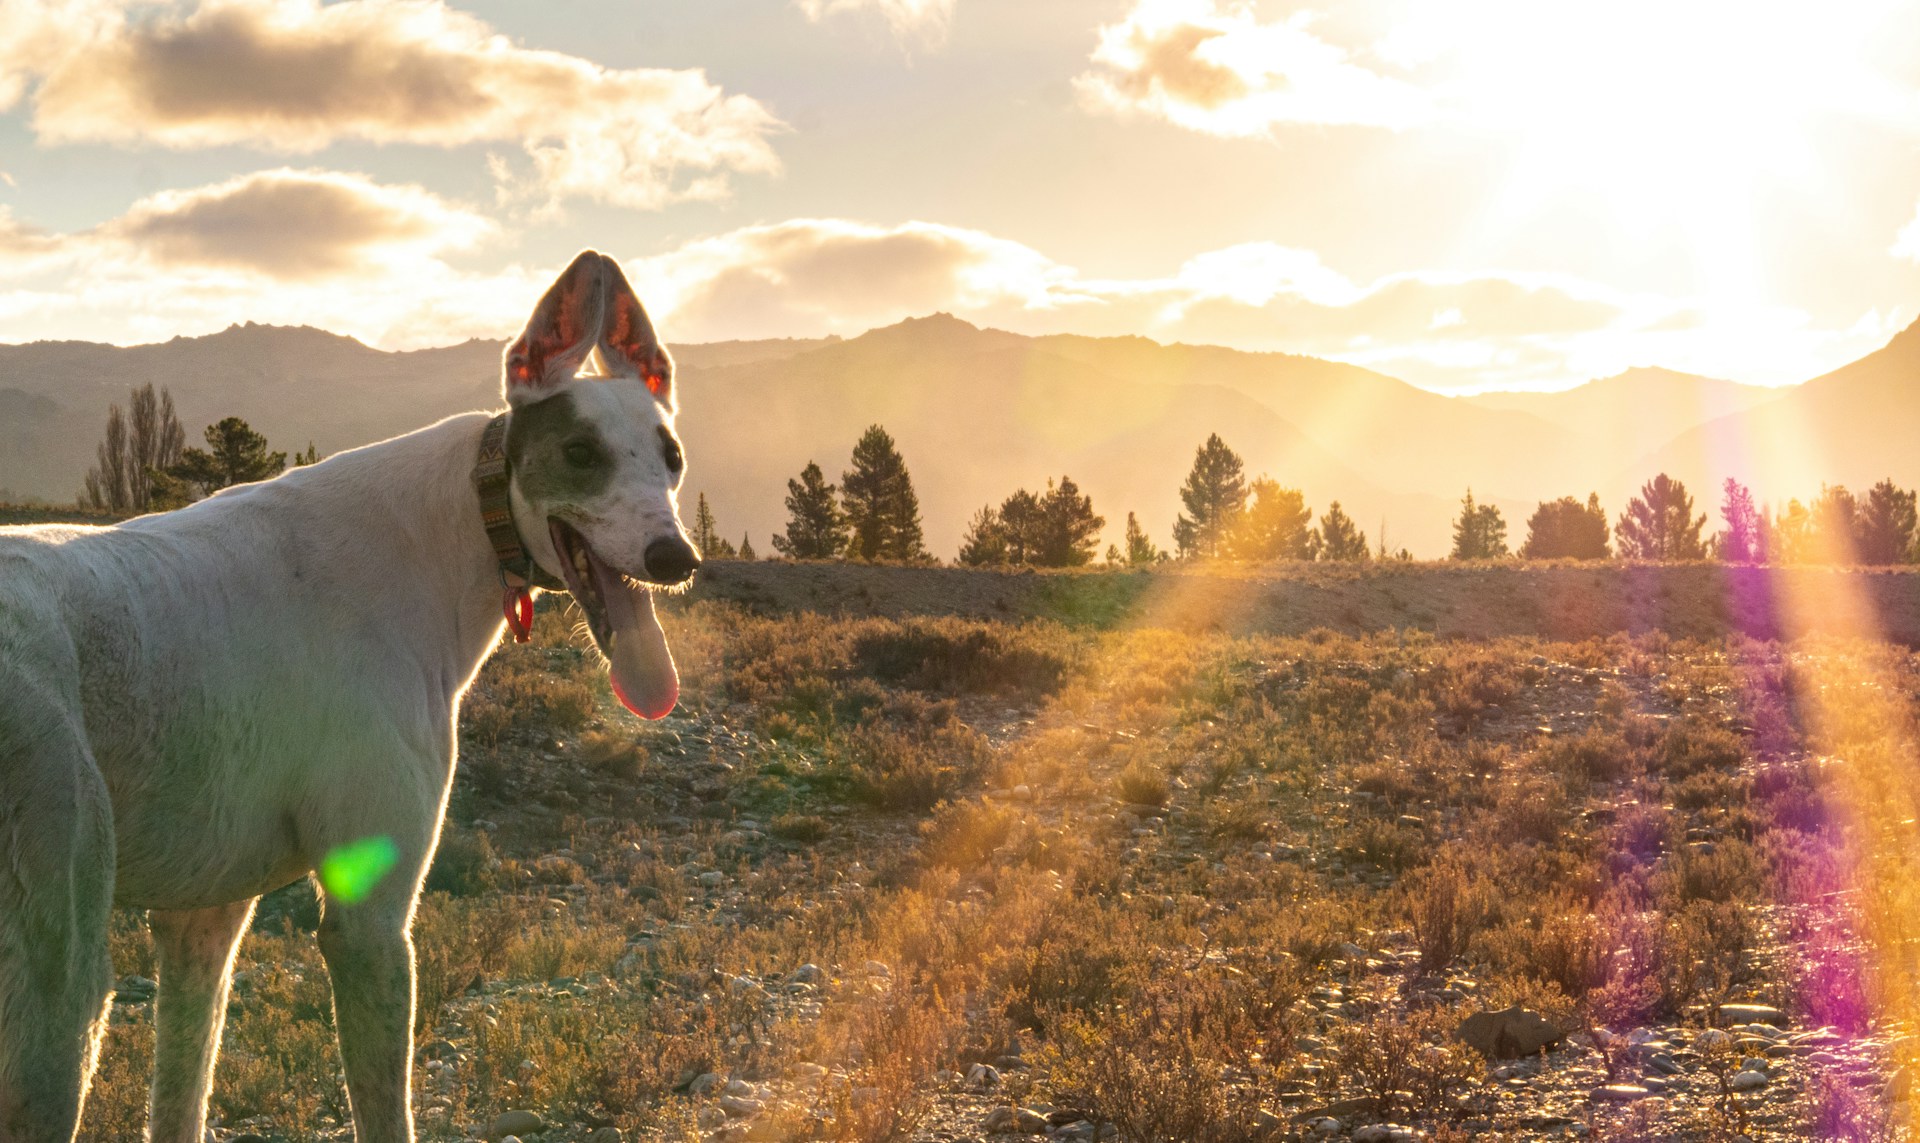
349 872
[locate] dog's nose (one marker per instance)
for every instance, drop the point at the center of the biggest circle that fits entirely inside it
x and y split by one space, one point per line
671 560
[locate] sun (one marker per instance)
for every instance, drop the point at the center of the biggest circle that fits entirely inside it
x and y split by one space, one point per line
1667 124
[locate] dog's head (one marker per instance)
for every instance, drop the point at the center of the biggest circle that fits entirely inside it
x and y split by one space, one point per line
595 467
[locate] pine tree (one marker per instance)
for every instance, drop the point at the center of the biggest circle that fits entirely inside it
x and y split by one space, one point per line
746 548
1340 540
816 528
985 544
1887 525
1789 537
1835 523
1070 529
1480 532
1274 525
1215 494
1565 529
1023 525
1140 549
1659 524
882 511
1744 541
706 537
235 454
311 456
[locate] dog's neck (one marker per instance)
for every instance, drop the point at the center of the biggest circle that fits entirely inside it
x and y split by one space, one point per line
420 541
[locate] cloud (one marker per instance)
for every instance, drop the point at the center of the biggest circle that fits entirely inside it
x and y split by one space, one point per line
24 247
1217 69
296 225
814 276
297 76
924 20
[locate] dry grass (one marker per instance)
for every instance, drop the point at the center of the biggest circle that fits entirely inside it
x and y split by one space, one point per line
1209 826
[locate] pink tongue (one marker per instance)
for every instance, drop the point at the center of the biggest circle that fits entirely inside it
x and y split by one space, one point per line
641 666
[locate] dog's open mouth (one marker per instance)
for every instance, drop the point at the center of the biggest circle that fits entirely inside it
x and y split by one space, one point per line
620 617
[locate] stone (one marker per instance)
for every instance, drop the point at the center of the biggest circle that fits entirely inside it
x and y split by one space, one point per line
1509 1034
980 1077
518 1123
1014 1121
1752 1014
1711 1039
707 1083
1619 1093
1748 1081
1664 1064
806 974
604 1135
1325 1125
740 1107
1383 1133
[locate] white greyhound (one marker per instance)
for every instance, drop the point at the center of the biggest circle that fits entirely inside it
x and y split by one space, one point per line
198 707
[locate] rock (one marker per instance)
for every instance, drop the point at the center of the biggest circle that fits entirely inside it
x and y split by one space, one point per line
605 1135
1511 1033
980 1077
1014 1121
740 1107
1664 1064
806 974
248 1137
1753 1014
1383 1133
707 1083
1712 1039
1325 1125
1618 1093
518 1123
1748 1081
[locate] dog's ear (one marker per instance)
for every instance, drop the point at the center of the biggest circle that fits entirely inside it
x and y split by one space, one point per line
628 341
562 331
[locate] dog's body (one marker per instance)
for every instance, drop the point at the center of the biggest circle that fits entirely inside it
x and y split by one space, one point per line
197 707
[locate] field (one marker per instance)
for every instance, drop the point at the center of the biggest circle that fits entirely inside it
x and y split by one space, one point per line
896 876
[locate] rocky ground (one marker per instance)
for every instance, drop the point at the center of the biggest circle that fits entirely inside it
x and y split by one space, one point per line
940 880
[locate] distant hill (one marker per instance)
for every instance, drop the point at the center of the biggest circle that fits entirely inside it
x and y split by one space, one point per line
979 412
1636 411
1853 426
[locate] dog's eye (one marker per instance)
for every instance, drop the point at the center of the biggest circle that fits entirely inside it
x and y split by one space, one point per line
580 454
670 449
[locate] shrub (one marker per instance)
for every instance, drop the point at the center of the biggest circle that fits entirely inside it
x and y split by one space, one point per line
954 656
1143 784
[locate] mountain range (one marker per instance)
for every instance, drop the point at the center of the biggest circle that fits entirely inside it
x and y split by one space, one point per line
981 412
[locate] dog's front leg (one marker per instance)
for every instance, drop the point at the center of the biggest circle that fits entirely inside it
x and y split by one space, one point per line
194 950
369 956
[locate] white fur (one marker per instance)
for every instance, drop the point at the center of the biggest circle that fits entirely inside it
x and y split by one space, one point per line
196 707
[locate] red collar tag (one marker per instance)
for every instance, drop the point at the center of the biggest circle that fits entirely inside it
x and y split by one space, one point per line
517 605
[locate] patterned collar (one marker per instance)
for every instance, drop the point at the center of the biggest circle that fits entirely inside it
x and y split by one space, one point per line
492 480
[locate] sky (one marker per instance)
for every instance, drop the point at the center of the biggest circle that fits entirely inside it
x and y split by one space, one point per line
1467 194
